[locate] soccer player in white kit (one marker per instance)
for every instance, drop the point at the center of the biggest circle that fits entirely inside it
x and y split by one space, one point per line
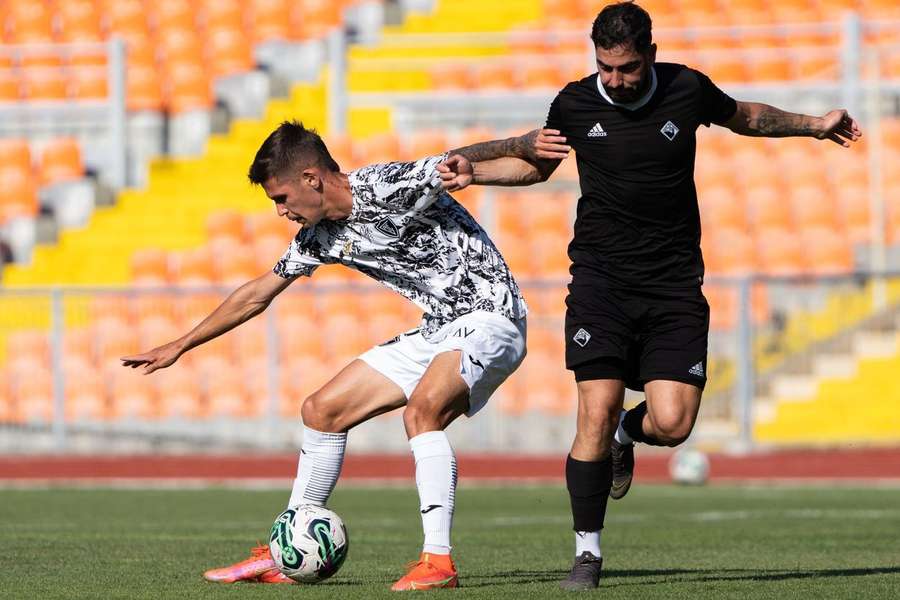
394 223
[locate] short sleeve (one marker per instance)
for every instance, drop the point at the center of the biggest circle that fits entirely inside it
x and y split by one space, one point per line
554 116
301 257
715 105
408 184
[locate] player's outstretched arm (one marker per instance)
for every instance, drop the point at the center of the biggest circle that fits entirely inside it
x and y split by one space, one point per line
243 304
511 162
762 120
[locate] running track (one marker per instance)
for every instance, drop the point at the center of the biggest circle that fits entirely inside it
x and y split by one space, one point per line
795 465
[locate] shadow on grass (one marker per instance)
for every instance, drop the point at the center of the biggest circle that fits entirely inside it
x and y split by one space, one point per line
639 577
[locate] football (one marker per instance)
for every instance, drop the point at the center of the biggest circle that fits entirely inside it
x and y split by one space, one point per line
689 467
309 543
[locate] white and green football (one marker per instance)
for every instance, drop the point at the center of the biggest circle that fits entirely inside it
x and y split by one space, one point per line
309 543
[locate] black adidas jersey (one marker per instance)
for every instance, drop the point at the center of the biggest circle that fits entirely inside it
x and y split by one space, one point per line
638 223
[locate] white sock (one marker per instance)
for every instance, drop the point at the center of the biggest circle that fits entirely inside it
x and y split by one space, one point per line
587 541
621 435
321 457
436 480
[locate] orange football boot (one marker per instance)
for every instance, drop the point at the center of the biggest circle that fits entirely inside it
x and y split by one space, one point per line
259 563
274 576
432 571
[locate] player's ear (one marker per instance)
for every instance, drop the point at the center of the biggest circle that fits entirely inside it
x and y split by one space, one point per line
311 178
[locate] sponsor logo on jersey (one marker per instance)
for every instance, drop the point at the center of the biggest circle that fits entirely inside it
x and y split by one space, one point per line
388 228
596 131
697 369
670 130
581 337
463 332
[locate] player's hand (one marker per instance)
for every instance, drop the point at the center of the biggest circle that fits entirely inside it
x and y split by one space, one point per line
550 145
456 173
158 358
839 127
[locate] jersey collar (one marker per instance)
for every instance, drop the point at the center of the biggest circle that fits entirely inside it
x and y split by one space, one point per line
637 103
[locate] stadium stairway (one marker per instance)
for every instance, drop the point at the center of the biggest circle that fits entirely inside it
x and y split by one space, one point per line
843 391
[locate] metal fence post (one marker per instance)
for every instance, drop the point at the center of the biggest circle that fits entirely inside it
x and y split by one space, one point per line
57 326
118 130
743 408
337 82
272 375
851 62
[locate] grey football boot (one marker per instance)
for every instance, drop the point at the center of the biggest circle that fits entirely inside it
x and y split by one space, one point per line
585 574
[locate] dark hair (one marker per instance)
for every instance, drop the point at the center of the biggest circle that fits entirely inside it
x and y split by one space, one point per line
287 150
622 24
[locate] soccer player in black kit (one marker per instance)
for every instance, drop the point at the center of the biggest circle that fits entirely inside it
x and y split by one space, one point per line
636 316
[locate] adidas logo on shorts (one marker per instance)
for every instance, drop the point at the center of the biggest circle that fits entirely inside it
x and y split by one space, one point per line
581 337
697 369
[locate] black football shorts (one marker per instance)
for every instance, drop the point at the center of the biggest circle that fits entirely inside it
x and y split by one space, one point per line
636 336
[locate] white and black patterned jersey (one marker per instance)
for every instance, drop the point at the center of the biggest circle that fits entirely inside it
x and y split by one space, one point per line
407 233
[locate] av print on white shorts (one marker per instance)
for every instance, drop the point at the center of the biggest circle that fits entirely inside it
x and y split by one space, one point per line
492 347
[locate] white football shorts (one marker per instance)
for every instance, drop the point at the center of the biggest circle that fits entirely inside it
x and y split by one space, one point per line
492 348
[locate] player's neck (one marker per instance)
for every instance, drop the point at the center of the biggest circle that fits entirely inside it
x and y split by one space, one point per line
338 197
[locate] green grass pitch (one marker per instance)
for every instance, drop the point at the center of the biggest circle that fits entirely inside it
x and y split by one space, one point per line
510 542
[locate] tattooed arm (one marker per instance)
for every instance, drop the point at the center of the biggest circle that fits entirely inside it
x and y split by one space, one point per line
762 120
511 162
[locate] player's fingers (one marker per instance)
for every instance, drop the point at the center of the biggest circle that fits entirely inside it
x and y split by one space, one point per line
838 140
548 131
551 140
553 147
552 155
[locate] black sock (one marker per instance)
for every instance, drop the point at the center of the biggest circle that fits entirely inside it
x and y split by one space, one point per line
633 424
589 484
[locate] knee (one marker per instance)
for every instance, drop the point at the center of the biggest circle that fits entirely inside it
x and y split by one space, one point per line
421 415
321 413
672 431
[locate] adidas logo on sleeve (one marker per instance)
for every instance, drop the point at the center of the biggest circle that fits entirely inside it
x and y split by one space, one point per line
596 131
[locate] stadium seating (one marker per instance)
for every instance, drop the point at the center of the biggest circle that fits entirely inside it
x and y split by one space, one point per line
766 206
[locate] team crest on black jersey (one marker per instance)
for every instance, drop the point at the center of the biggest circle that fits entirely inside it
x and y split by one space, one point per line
387 227
670 130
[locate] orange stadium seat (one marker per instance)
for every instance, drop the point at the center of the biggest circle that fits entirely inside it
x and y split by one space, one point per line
816 66
228 52
767 207
235 268
543 74
722 206
179 394
32 394
723 306
726 67
86 397
264 224
10 85
44 83
79 21
267 251
195 267
87 83
156 330
729 252
226 223
314 19
78 346
179 45
221 13
828 252
28 22
780 252
771 67
187 87
228 395
61 161
270 20
171 14
15 153
452 76
550 258
814 206
149 267
124 16
428 142
854 210
18 193
379 148
132 395
495 75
